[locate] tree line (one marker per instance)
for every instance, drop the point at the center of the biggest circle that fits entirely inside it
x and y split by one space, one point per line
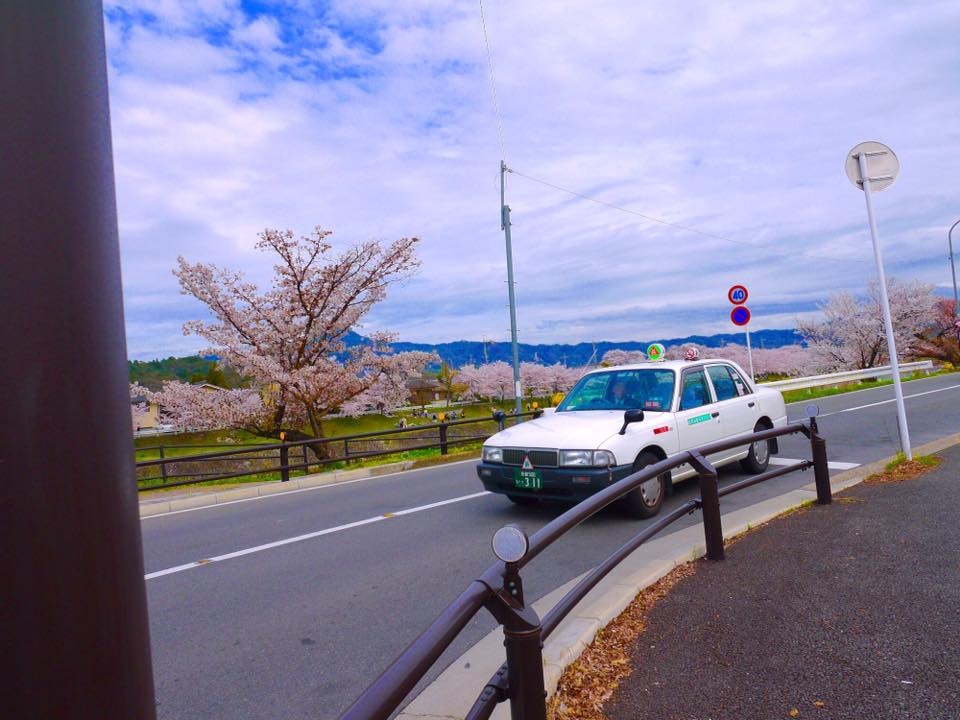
285 361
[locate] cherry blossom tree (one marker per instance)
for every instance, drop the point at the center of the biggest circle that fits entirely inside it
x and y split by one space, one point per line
852 336
140 398
488 381
623 357
290 339
939 339
791 360
494 381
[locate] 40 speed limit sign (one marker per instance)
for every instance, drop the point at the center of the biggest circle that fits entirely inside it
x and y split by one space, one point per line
737 294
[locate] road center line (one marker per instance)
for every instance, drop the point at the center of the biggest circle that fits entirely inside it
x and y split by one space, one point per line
884 402
310 536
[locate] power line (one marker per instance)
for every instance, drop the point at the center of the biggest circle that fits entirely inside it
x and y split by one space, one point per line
493 84
679 226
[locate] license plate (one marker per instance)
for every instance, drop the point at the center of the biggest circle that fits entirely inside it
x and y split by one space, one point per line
528 479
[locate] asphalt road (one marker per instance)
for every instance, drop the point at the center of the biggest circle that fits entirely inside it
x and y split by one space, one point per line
310 595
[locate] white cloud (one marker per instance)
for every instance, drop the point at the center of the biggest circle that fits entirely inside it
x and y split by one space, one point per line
374 119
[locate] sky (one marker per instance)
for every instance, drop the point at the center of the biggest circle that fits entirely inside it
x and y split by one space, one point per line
374 119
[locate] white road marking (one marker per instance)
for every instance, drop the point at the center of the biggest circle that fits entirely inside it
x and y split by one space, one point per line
309 536
885 402
832 464
303 490
917 381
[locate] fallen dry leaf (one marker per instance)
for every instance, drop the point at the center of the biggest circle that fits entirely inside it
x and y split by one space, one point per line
794 712
590 681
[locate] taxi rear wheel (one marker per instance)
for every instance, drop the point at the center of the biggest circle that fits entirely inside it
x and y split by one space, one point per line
645 501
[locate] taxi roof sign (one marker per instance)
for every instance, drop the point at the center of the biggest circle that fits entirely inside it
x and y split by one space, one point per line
656 351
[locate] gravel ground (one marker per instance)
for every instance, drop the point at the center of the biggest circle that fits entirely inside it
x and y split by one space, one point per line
845 611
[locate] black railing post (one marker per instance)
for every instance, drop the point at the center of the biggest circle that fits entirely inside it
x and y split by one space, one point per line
522 634
284 459
821 471
163 466
306 462
709 505
443 438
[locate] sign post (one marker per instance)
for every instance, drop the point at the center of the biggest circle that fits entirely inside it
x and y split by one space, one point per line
740 316
872 166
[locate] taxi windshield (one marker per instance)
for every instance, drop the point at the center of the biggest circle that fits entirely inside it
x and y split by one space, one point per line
647 389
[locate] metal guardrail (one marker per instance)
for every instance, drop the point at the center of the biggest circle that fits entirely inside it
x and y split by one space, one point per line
270 459
500 589
846 376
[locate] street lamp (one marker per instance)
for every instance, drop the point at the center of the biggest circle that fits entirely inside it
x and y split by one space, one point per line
956 309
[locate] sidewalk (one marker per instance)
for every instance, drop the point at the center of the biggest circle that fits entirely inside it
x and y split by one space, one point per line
845 611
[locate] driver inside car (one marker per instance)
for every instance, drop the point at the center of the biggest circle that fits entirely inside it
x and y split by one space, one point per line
618 393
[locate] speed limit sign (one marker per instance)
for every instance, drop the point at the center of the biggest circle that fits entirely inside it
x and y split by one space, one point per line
737 294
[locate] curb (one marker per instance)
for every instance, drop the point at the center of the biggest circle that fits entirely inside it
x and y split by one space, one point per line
271 488
452 694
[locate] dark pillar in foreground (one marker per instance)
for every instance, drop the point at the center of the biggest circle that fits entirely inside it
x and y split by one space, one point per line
73 614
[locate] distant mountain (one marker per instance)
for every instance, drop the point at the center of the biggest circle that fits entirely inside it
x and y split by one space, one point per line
471 352
153 373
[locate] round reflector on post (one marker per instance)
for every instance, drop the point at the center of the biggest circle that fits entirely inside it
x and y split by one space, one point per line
510 543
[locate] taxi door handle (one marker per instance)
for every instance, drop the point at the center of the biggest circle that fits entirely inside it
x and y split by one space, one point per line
715 414
751 404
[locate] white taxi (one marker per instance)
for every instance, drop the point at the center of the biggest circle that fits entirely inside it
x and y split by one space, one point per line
617 420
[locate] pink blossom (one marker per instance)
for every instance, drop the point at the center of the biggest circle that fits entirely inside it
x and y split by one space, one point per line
852 334
290 340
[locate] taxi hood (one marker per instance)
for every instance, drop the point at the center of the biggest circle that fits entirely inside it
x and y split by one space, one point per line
575 430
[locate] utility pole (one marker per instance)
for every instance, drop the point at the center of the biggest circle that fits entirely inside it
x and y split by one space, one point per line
953 272
505 226
74 612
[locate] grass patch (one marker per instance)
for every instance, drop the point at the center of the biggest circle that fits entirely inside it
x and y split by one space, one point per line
793 396
424 457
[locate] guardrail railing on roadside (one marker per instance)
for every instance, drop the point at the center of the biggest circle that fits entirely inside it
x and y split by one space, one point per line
846 376
275 458
500 589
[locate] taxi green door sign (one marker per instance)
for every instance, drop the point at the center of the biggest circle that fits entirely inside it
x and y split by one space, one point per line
699 419
656 351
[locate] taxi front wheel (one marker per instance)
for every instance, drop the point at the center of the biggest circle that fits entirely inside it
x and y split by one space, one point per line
645 501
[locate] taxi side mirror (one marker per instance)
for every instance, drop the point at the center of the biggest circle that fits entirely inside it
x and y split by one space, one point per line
631 416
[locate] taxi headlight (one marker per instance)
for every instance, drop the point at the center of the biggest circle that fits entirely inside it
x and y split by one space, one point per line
603 458
492 454
587 458
576 458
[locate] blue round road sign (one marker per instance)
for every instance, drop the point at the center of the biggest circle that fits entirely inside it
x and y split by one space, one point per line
740 315
737 294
